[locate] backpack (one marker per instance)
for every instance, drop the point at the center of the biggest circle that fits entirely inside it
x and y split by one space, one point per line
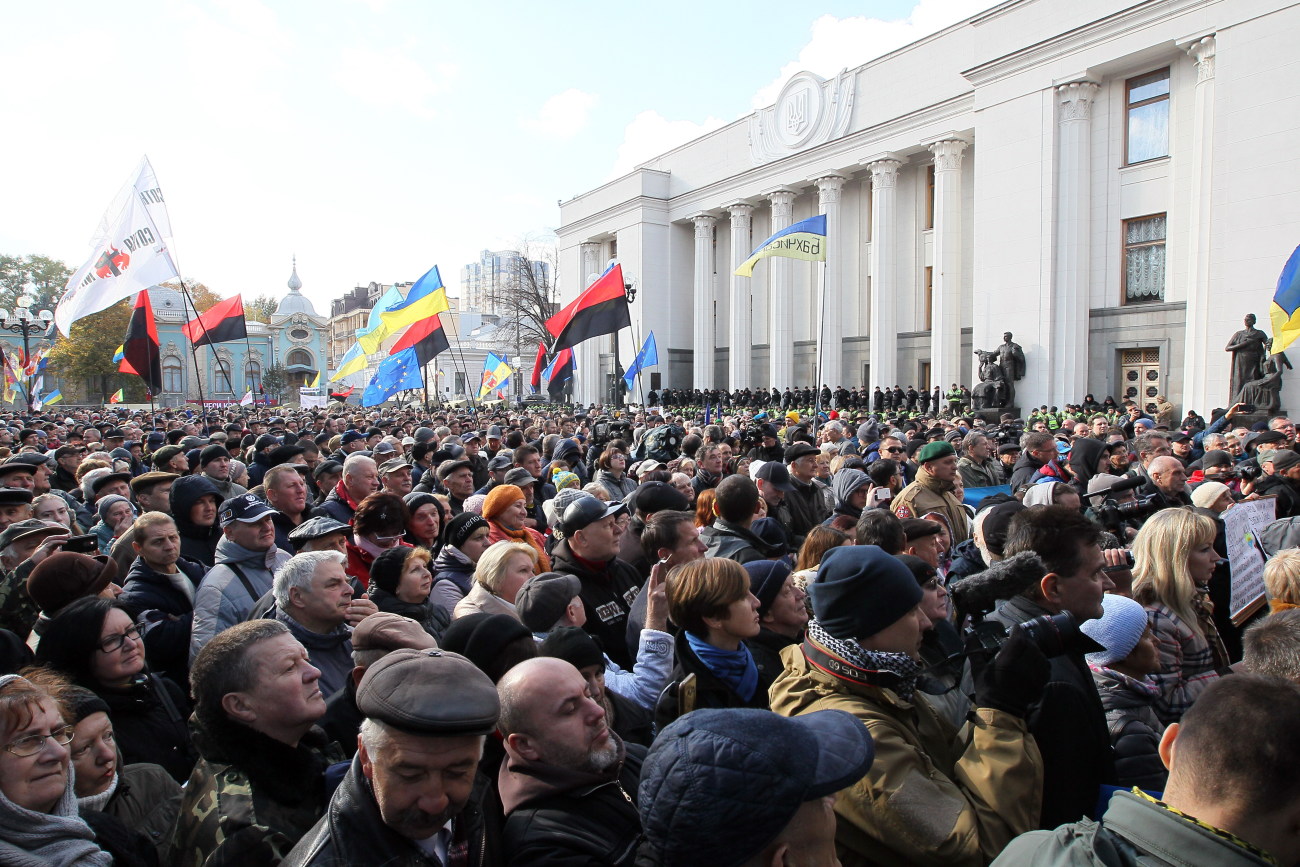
663 444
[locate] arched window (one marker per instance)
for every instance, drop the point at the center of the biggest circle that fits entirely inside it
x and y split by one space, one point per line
222 379
173 375
299 356
252 376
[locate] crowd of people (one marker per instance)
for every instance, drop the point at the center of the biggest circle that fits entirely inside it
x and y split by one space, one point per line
715 629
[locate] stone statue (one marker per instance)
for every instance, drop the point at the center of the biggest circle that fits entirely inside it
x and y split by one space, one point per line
1264 392
1248 348
991 392
1011 359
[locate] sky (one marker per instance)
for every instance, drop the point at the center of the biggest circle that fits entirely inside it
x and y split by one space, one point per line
373 139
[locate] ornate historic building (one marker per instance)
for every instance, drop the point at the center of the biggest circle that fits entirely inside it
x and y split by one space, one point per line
1113 182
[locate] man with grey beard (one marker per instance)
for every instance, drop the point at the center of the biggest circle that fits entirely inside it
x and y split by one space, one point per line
561 759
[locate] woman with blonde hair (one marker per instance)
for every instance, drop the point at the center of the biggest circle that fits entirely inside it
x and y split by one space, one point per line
1282 580
1174 558
501 571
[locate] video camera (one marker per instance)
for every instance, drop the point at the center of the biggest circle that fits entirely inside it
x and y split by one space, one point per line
974 598
606 429
1242 472
1112 514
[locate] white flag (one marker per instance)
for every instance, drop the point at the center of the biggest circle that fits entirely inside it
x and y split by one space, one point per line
146 189
130 256
247 398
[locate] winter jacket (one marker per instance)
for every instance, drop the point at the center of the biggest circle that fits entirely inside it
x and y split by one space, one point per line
724 539
258 466
480 600
358 566
1186 663
766 648
931 797
227 596
251 797
607 595
227 489
1025 468
1069 725
166 609
929 494
558 815
197 543
147 800
708 691
429 614
1135 832
149 724
352 832
980 475
331 652
453 577
617 488
967 560
337 506
1134 729
804 508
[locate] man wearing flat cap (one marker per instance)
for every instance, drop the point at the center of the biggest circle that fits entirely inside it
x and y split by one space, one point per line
23 545
807 503
934 490
413 794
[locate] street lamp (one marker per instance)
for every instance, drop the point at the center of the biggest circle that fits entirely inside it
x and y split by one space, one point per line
616 386
28 324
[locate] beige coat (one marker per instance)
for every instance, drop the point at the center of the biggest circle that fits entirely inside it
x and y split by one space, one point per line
480 599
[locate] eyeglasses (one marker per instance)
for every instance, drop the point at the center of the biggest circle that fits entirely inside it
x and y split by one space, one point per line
115 642
932 584
894 451
387 538
33 744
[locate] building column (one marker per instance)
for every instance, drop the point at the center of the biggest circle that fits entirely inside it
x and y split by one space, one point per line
1068 353
945 313
703 343
738 358
829 329
780 320
884 267
1196 352
588 385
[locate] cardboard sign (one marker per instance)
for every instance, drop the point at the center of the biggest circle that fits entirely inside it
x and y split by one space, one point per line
1242 524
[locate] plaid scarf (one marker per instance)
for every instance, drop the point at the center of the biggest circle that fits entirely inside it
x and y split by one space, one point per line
902 666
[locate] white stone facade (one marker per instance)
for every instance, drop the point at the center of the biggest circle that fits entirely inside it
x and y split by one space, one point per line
975 182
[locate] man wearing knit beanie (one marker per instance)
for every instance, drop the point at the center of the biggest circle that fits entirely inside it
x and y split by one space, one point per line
963 798
933 490
782 615
214 462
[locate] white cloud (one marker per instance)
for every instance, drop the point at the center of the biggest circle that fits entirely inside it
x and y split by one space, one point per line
392 79
562 116
650 134
839 43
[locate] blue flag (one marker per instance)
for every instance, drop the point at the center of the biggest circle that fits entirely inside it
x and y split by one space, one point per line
395 373
647 357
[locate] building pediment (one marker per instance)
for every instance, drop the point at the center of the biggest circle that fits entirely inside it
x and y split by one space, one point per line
810 111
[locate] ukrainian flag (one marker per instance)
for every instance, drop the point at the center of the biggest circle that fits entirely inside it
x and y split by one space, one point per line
1285 310
495 374
53 397
353 360
120 354
426 298
805 240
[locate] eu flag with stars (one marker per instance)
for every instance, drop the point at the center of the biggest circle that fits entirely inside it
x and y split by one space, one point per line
395 373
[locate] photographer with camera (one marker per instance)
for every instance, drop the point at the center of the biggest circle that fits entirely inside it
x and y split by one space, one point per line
931 797
1067 721
1281 479
1166 484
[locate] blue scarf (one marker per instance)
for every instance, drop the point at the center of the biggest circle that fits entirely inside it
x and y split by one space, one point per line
735 668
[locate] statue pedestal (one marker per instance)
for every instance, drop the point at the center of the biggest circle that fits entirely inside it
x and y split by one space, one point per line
1250 419
991 416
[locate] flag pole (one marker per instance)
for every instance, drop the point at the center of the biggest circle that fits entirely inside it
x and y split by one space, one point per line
473 395
821 335
194 353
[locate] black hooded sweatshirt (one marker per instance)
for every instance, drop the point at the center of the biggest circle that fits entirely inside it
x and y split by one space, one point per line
197 543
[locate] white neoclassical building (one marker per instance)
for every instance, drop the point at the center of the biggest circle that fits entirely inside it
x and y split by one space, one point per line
1116 183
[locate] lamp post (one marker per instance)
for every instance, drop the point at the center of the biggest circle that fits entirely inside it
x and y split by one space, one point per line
26 323
616 382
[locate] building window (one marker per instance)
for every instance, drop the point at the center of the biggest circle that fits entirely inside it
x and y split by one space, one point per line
301 357
222 380
1147 105
929 298
252 376
929 196
173 379
1144 259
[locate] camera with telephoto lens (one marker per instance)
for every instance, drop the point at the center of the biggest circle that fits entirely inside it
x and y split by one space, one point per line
1241 472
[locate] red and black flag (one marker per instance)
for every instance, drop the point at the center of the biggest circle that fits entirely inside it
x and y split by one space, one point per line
601 309
222 323
140 349
426 337
561 371
538 364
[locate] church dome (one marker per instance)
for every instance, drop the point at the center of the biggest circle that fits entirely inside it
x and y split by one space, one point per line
295 301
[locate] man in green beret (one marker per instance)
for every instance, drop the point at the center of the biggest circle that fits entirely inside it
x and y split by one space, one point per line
934 490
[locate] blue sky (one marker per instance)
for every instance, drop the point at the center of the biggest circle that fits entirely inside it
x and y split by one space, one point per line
374 138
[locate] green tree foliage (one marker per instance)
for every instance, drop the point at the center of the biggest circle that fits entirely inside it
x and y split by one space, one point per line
40 276
274 380
260 308
85 359
204 298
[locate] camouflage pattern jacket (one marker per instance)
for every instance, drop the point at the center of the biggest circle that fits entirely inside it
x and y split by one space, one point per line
18 613
250 797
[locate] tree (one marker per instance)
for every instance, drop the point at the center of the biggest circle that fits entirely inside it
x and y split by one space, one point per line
260 308
274 382
204 298
39 276
525 297
86 357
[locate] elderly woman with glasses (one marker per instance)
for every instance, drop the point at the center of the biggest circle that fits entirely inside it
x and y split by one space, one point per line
39 821
96 644
378 525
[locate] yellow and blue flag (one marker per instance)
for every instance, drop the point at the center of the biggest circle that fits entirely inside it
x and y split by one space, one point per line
496 373
53 397
119 354
426 298
353 360
375 322
805 240
1285 309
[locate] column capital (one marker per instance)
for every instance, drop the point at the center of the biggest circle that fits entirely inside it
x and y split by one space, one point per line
884 171
782 200
589 246
829 187
1202 51
948 153
741 214
704 224
1076 100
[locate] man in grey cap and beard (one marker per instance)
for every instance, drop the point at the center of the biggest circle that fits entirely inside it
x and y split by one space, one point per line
413 794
